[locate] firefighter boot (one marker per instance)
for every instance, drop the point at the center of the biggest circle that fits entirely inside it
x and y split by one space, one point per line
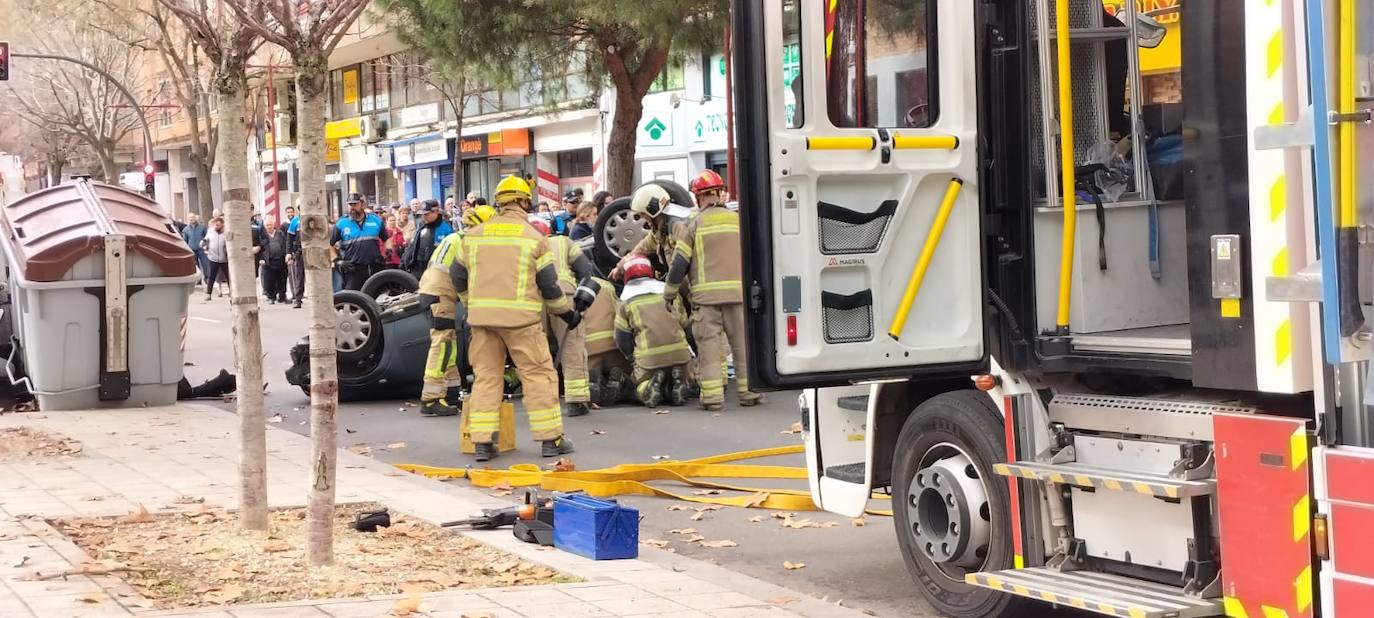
650 391
615 386
594 387
713 407
438 407
677 387
747 399
485 451
578 409
556 447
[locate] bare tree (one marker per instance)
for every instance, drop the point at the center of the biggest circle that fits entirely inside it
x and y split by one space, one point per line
309 32
228 45
457 83
53 150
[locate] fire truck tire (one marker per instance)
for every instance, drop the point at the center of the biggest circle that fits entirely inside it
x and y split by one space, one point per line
951 512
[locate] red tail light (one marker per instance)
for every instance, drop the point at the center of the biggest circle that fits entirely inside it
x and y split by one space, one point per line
791 330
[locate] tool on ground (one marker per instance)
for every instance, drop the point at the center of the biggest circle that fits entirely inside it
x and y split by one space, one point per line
491 519
369 521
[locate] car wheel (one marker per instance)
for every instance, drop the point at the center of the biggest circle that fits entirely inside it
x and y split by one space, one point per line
388 284
359 328
617 231
951 513
679 194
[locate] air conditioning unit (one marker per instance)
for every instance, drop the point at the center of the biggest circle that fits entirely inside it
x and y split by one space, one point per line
282 124
373 129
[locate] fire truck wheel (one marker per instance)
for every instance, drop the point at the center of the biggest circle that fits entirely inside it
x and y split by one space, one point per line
950 511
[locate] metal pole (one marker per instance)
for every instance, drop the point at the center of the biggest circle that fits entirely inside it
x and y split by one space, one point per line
142 118
272 111
730 181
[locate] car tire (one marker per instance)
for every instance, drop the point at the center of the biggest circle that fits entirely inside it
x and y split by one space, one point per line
359 329
679 194
616 232
390 282
956 436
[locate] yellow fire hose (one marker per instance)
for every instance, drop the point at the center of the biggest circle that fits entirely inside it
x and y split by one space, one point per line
633 479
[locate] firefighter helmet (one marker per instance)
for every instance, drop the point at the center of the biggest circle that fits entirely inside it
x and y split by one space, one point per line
638 267
477 215
650 200
512 188
708 180
540 224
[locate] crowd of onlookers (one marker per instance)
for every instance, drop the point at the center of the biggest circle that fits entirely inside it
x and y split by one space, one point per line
277 251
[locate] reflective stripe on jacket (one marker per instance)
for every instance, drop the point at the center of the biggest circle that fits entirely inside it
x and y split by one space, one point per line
599 320
707 257
658 338
572 265
505 273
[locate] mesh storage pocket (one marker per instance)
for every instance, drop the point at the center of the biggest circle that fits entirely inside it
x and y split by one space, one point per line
847 231
848 318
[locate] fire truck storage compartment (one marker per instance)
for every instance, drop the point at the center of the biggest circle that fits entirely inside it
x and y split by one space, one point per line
100 280
1130 268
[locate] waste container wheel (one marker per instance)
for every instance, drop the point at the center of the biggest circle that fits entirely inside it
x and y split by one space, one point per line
359 328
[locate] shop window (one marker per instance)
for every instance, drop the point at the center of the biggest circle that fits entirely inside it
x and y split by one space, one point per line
881 71
575 163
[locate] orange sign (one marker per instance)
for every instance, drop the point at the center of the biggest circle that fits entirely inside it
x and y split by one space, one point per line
331 151
508 142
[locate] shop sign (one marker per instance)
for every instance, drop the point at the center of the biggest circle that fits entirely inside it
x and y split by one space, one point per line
656 129
417 115
709 128
474 147
331 151
350 86
365 158
417 153
351 127
508 142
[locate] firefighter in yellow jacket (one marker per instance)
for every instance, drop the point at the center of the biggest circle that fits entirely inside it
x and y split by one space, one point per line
573 268
607 369
505 275
648 332
707 259
436 290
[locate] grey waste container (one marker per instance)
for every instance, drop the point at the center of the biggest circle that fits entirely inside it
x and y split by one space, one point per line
99 280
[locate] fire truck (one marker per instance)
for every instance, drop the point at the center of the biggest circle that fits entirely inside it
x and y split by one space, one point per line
1100 333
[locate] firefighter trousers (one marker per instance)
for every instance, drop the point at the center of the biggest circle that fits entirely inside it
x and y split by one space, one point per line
529 351
441 367
719 329
572 359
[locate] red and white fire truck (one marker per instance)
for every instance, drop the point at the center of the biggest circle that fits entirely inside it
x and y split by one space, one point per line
1101 332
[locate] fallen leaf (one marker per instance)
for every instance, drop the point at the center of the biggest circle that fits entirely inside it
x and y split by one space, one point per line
598 432
225 594
795 428
502 493
781 515
678 507
93 597
407 605
662 411
782 600
710 507
858 522
276 418
477 615
792 566
659 543
694 538
867 612
347 430
141 516
188 500
564 464
755 519
683 531
502 567
828 524
360 449
707 492
276 545
719 544
756 500
23 560
698 516
503 485
396 445
661 457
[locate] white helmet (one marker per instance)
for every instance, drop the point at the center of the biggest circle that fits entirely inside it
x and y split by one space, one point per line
650 200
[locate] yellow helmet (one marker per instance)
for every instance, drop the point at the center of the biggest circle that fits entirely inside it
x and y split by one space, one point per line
512 188
478 215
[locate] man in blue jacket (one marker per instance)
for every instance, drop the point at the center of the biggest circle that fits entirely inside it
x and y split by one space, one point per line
358 240
193 233
433 229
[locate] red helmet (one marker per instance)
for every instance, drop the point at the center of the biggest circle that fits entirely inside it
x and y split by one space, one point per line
708 180
540 224
638 267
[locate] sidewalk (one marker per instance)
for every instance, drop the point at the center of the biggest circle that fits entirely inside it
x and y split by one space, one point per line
151 456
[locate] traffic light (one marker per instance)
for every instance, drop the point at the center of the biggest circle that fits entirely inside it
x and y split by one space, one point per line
149 175
4 61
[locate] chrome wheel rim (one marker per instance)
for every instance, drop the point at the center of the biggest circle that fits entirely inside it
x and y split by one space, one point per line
948 510
354 327
623 231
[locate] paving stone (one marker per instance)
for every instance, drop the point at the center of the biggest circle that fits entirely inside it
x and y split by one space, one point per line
638 607
718 600
609 592
562 610
531 596
298 611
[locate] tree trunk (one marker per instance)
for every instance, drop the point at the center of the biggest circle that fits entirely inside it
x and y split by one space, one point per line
55 167
107 166
620 146
201 160
243 290
319 285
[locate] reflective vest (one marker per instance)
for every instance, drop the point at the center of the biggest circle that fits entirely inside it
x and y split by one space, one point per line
659 340
435 281
507 273
707 259
565 252
359 243
599 320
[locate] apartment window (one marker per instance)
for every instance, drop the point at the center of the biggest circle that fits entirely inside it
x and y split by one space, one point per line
366 88
672 77
881 69
575 163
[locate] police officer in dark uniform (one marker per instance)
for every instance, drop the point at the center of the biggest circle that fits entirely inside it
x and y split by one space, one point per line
432 230
358 240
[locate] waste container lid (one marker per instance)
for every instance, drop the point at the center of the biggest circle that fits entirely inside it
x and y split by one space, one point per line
47 232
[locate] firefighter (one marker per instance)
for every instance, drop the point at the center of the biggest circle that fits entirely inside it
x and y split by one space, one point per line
665 219
505 275
573 267
436 292
647 331
707 258
607 368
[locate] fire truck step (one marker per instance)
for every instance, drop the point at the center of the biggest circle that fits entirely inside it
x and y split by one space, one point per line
1103 593
1109 479
857 403
849 473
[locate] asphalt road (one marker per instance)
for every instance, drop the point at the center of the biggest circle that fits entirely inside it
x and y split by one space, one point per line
859 566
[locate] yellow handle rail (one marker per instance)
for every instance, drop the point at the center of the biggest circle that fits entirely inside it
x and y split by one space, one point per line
841 143
913 285
1061 25
925 142
1346 105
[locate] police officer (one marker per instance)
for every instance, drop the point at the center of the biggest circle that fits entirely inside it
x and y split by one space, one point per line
505 275
433 228
648 332
436 291
357 239
573 267
707 258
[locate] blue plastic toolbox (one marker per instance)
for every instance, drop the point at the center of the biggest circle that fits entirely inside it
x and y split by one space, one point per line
595 529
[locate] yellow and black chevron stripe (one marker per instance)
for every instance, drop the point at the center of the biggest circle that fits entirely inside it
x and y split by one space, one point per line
987 580
1158 490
